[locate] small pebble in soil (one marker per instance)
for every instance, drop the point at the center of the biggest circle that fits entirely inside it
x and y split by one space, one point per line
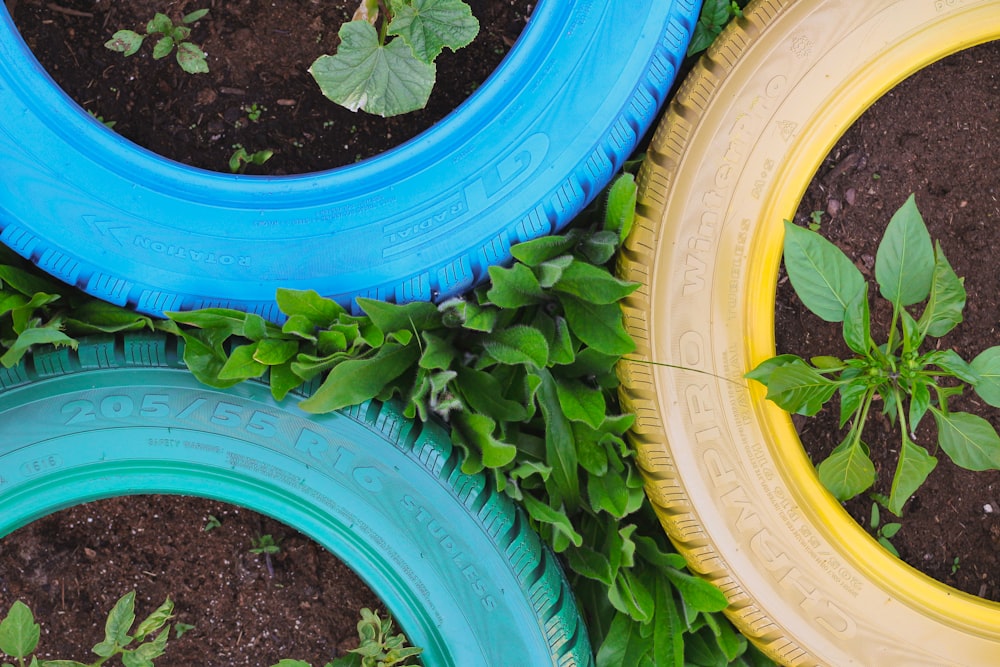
988 508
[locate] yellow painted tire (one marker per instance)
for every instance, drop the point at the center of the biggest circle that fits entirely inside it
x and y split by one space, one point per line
724 468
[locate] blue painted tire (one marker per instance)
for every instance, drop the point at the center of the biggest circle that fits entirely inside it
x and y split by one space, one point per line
518 160
456 563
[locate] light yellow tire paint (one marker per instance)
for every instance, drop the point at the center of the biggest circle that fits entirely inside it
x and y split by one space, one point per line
724 468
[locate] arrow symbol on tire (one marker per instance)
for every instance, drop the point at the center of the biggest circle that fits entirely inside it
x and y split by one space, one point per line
104 227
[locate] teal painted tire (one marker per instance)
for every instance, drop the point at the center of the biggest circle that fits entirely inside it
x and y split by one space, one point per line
519 159
455 562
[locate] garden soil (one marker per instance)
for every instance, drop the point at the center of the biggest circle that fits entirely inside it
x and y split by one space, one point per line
258 93
935 135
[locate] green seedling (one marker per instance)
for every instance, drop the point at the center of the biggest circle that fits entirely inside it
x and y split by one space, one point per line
955 565
211 524
884 532
385 61
815 220
907 382
19 635
268 546
379 647
110 124
189 55
241 159
254 111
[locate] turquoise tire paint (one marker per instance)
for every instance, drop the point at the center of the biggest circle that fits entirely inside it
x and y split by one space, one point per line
455 562
519 159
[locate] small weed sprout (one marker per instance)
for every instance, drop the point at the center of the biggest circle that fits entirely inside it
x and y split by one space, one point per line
905 381
254 111
189 55
241 159
19 635
268 546
211 524
379 647
884 532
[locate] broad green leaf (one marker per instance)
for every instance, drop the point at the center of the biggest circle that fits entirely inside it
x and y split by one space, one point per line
160 23
391 317
355 381
857 323
948 360
318 310
987 367
847 471
519 344
120 619
580 402
625 645
484 394
163 47
191 58
762 372
282 380
911 470
920 401
477 432
204 358
823 277
286 662
912 337
18 631
590 563
383 80
126 42
542 513
429 26
101 317
560 449
438 352
195 15
155 621
560 343
514 287
241 364
224 319
542 249
619 214
550 272
799 388
28 283
598 325
968 440
946 300
255 327
273 351
23 316
668 630
593 283
904 262
608 493
630 594
852 397
34 336
599 248
731 643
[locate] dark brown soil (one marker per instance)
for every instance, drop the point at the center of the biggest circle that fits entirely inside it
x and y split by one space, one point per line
934 135
258 54
72 566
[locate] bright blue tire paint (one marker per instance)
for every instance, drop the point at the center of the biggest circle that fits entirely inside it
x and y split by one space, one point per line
517 160
455 562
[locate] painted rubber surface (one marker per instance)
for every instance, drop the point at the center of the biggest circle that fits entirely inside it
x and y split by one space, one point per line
725 468
517 160
455 562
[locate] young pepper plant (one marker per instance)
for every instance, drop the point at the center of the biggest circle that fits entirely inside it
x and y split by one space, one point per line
905 381
385 62
189 55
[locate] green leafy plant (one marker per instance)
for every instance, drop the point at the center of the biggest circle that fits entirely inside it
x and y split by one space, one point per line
189 55
908 383
211 524
522 372
385 62
265 544
955 565
19 635
815 220
884 532
379 647
715 14
254 111
241 159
